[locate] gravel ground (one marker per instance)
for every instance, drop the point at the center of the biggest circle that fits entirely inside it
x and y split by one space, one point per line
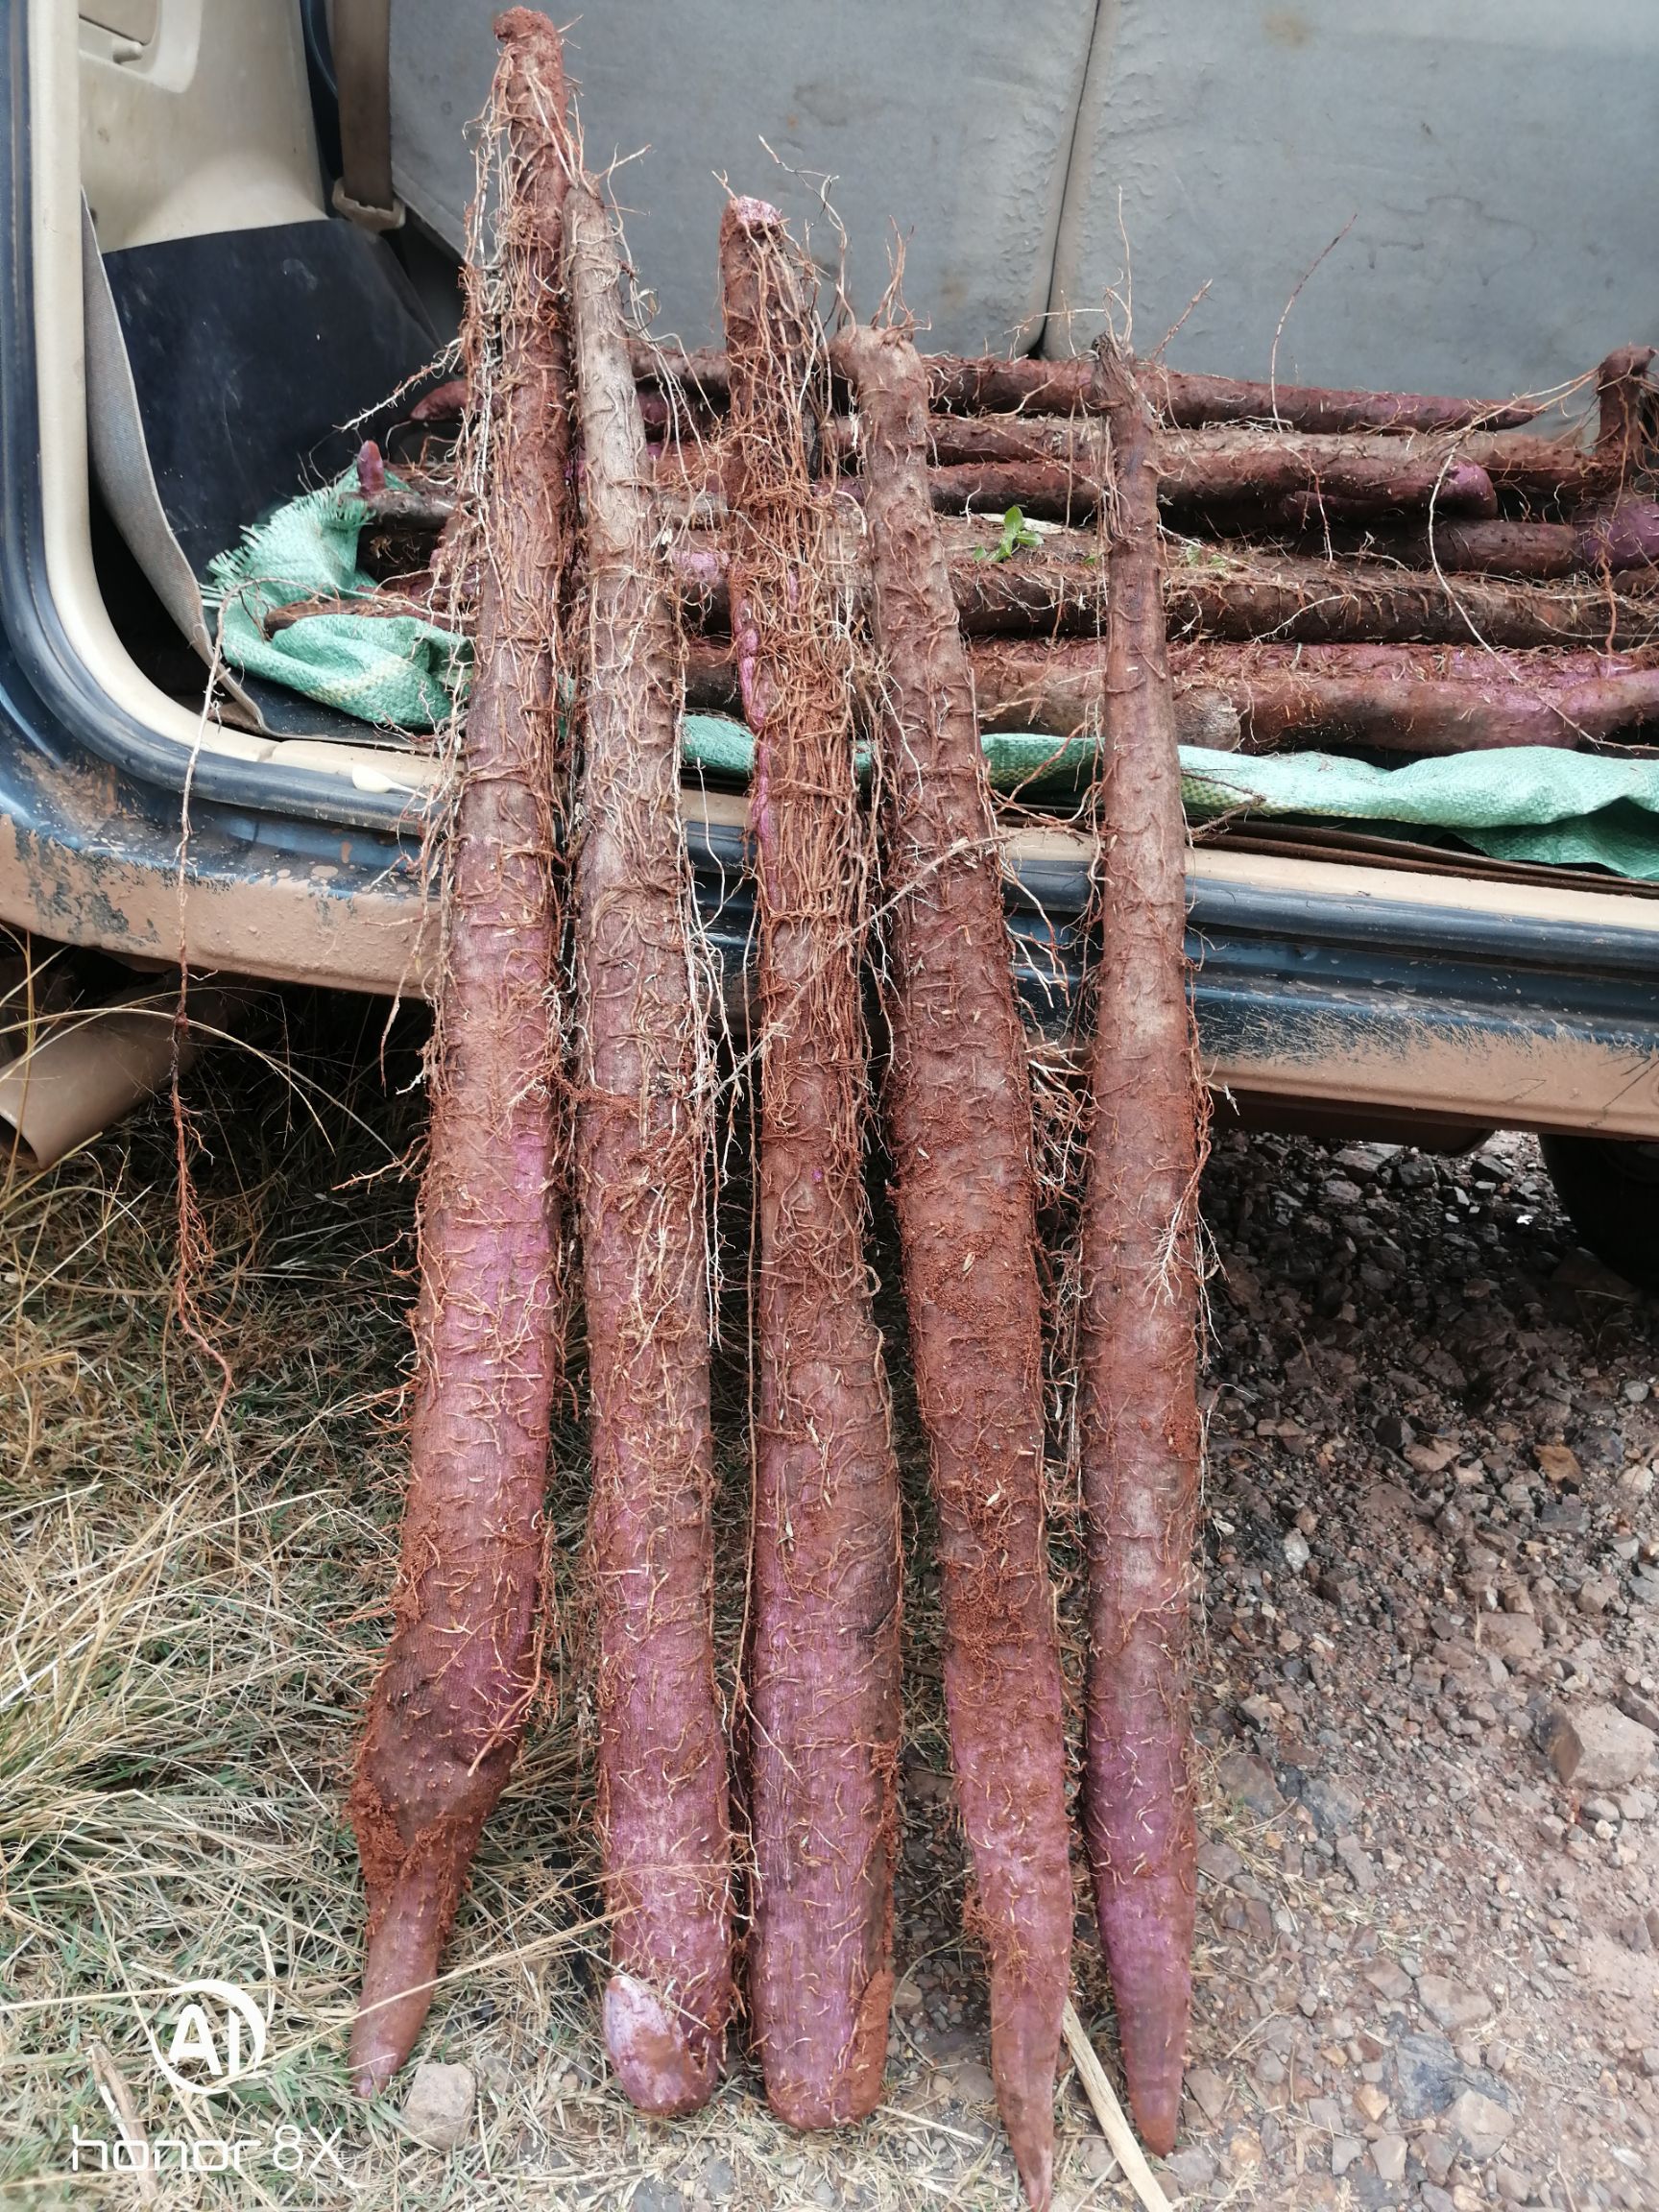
1430 1890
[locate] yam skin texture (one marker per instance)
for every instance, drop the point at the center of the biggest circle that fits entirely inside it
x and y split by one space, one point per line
642 1147
1231 474
448 1707
988 384
1043 466
958 1116
1412 699
823 1673
1239 593
1137 1347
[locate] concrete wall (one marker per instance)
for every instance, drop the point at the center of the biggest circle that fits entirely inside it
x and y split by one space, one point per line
953 121
1498 159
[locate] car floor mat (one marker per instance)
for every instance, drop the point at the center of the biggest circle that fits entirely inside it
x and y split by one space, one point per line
259 361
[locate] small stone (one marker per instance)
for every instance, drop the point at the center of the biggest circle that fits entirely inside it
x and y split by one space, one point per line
1427 2075
1325 2112
1450 2004
1430 1458
1513 1637
1344 2151
1370 2100
1514 2188
1480 2123
1096 2159
1244 2151
1439 2154
1435 2200
1354 1857
1336 1811
1249 1782
438 2110
1596 1593
718 2178
1557 1465
655 2196
1296 1552
1559 1741
1391 1983
1190 2170
1207 2091
1567 1516
1218 1860
1389 2156
1615 1751
970 2084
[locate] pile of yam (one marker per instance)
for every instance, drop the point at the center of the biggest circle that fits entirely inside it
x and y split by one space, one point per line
807 529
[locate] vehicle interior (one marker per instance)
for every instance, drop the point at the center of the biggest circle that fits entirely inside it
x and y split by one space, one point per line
212 335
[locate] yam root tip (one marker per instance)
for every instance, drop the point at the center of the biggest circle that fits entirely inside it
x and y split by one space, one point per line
1151 1968
1025 2082
666 2063
398 1977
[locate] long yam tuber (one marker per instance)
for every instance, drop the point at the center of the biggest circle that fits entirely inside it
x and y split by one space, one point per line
959 1117
1395 698
974 385
823 1662
642 1147
1138 1313
448 1707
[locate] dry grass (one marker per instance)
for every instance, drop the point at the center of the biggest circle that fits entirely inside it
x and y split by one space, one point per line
189 1628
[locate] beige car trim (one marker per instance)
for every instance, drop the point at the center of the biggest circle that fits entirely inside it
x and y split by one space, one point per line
290 926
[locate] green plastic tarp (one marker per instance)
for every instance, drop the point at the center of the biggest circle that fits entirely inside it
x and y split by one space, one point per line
1535 802
1526 803
397 671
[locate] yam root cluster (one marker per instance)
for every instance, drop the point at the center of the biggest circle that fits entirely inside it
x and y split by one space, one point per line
1293 517
855 546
